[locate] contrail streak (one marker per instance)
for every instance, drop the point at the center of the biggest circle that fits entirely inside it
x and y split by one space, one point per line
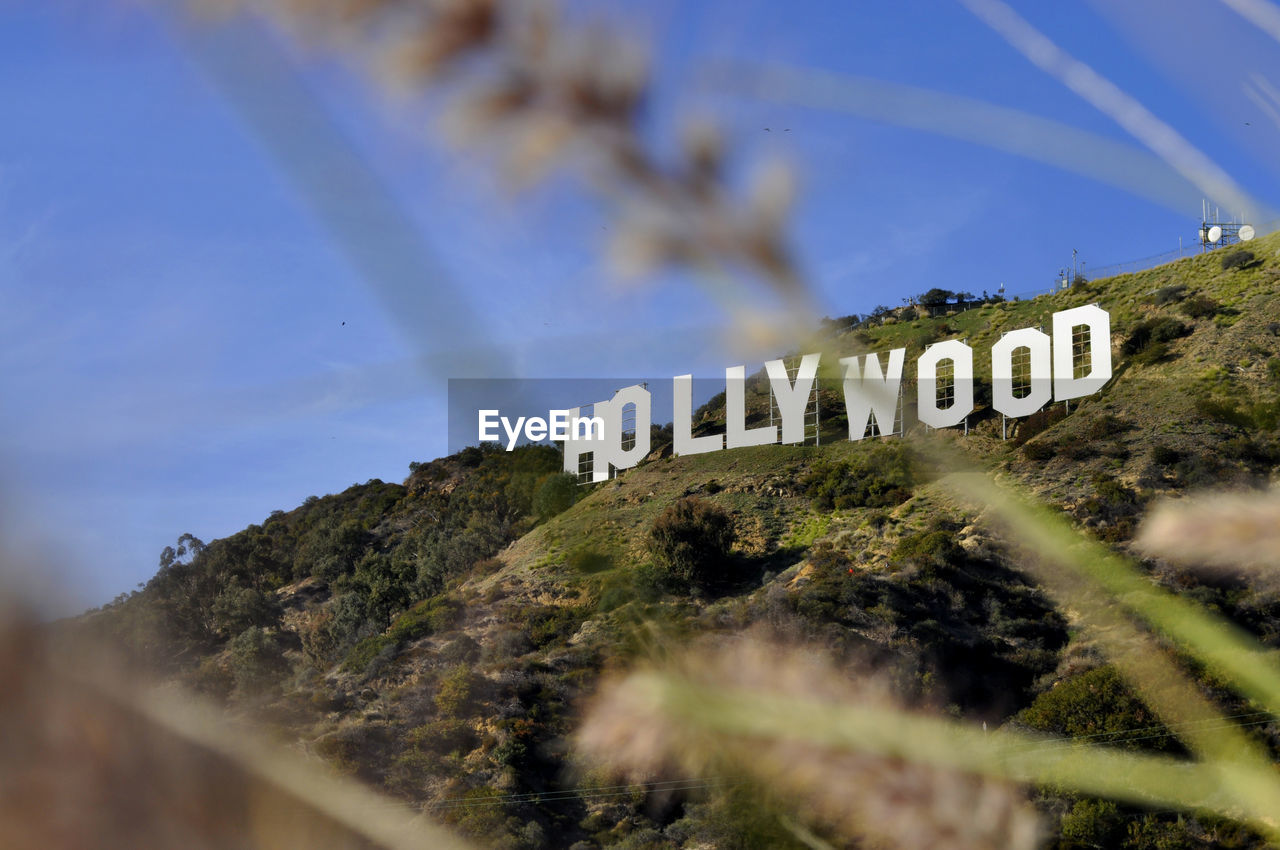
1260 13
1264 97
968 119
1108 98
367 223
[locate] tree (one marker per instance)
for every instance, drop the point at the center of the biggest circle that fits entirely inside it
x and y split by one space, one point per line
385 584
238 608
936 297
187 544
555 495
257 661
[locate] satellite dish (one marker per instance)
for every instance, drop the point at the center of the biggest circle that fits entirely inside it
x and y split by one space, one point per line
1215 233
1246 232
1204 235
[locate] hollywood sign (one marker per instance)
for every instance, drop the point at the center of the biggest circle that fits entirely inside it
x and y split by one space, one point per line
871 389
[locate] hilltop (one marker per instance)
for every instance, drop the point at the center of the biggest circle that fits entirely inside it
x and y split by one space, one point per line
436 637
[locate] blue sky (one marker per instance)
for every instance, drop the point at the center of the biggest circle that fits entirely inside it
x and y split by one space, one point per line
173 343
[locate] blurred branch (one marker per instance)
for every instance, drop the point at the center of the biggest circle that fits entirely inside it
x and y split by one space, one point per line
384 821
539 90
99 757
1221 645
1099 587
362 215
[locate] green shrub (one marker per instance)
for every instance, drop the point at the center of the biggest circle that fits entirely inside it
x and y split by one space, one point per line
1098 704
881 475
237 608
257 660
690 541
1168 294
1038 422
1075 449
456 691
1093 823
932 548
1200 307
588 561
1106 425
1164 455
424 618
1237 259
1152 332
442 737
1199 470
363 653
481 814
510 752
1113 506
1041 451
550 624
1225 411
429 616
1151 354
1257 454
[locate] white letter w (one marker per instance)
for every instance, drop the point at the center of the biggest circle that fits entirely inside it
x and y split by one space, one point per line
868 391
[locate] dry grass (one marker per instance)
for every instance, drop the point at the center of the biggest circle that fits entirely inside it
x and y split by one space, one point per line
860 793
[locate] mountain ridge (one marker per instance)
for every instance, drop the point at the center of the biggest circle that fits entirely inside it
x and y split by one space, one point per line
437 637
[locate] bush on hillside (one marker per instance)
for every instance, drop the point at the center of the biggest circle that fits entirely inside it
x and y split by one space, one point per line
257 660
1226 411
1106 425
1040 451
690 541
1169 294
1149 340
1098 705
1112 509
1237 259
931 549
1038 423
1200 307
882 476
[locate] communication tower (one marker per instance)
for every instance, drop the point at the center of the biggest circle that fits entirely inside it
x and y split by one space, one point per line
1215 233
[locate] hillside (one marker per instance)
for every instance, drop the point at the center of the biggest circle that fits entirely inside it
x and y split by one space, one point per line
437 637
